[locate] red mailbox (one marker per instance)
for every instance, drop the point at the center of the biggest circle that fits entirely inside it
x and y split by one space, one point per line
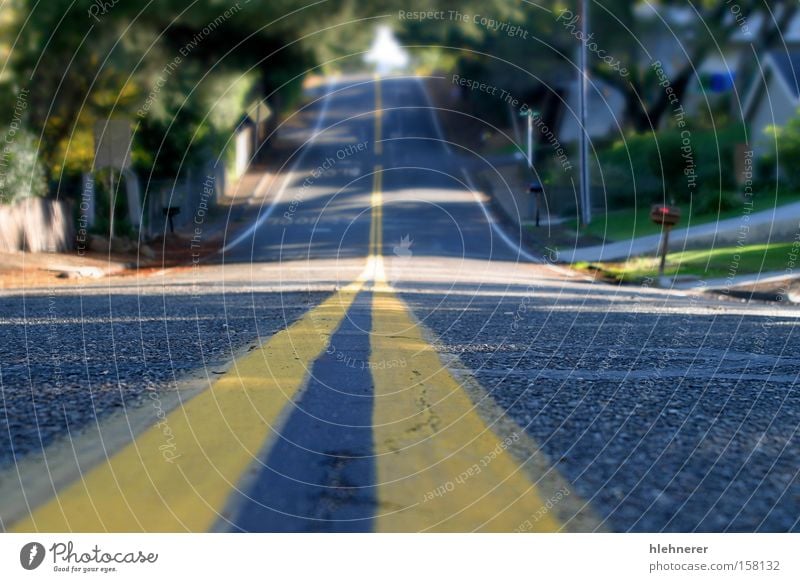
665 215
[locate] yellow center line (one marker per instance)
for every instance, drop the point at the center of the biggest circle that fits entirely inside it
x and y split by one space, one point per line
439 466
376 222
375 209
374 270
212 440
378 147
179 473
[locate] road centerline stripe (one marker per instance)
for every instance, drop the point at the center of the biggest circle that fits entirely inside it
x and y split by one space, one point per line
212 440
439 466
319 475
378 147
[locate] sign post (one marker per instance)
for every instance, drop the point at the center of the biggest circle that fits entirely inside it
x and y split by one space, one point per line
258 112
112 143
583 94
667 217
536 189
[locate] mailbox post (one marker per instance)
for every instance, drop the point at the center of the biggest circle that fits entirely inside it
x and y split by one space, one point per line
170 212
535 189
667 217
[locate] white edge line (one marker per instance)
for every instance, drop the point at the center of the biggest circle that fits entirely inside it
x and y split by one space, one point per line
289 175
521 252
493 222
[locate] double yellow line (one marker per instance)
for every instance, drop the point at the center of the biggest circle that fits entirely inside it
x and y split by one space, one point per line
376 221
439 465
376 201
378 116
212 440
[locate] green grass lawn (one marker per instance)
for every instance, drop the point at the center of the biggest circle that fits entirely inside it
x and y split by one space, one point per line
620 225
717 263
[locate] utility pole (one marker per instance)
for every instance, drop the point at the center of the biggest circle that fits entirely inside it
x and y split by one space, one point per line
530 141
586 202
530 114
112 198
257 131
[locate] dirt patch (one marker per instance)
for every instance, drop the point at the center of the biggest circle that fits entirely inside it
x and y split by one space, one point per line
27 270
781 290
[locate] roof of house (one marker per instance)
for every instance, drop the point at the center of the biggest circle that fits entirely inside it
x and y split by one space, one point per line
749 27
787 64
672 15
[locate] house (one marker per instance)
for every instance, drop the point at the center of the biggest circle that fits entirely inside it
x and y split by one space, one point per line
250 133
773 98
604 105
722 80
657 27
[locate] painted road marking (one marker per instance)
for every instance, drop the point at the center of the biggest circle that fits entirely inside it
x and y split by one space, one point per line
439 465
376 222
378 117
320 474
211 440
410 451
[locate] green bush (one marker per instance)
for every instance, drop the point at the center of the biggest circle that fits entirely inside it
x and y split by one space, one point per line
21 174
787 172
667 161
651 167
716 202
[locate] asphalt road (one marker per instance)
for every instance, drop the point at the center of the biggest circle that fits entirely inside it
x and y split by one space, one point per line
374 352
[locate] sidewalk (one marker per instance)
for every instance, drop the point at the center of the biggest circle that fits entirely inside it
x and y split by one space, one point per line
764 226
775 286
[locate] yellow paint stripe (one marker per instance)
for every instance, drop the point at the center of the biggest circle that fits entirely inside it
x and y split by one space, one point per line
376 222
216 437
439 466
378 147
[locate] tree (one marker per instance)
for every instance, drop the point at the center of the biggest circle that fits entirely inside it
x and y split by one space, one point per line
614 25
88 64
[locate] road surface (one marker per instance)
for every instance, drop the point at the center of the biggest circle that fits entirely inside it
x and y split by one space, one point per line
373 352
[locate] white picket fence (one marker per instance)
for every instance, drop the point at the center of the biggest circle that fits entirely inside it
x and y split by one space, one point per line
36 225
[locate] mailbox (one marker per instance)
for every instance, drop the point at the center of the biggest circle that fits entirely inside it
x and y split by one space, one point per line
535 188
665 215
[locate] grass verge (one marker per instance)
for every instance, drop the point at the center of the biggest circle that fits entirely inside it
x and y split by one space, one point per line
628 223
714 263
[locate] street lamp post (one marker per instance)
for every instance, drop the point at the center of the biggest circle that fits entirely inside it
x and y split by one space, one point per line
586 202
